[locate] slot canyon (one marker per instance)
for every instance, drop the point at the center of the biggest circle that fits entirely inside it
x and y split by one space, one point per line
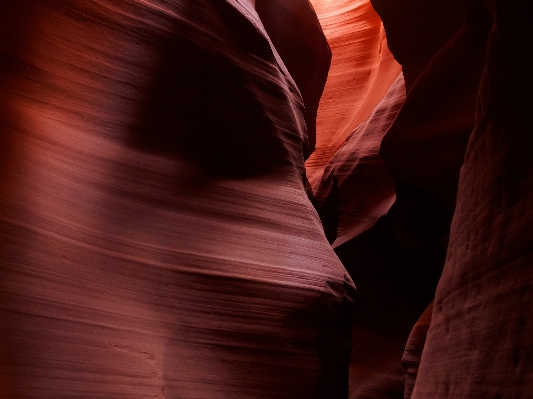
253 199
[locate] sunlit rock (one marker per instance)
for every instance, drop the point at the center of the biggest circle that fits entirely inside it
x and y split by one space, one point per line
362 71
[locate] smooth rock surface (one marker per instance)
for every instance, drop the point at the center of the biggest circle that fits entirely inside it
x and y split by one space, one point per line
426 144
413 351
417 30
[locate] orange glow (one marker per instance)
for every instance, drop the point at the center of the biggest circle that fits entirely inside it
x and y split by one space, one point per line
362 70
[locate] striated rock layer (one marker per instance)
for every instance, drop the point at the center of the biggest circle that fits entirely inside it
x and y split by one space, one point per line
355 189
362 71
479 343
156 237
397 262
297 36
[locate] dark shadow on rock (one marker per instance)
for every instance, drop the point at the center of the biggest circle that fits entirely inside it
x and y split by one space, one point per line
202 106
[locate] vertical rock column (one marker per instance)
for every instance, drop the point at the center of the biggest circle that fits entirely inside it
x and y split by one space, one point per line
479 344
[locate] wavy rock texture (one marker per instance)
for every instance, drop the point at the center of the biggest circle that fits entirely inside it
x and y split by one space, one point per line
355 189
479 343
424 148
362 71
297 35
156 238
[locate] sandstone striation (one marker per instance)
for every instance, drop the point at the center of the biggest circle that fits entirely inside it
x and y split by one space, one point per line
423 150
362 71
355 189
156 235
296 33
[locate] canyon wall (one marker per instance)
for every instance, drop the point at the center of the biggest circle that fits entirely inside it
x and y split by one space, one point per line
397 259
157 240
362 71
158 231
479 342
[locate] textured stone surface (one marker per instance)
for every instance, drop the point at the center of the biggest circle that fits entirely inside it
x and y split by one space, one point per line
423 151
362 70
297 35
355 189
479 344
156 237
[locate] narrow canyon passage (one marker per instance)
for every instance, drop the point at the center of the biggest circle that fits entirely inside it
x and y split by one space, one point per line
266 199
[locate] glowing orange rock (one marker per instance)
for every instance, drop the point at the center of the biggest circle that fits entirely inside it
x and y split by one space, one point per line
355 189
362 70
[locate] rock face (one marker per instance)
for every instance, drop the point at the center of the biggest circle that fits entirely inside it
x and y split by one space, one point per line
362 71
479 343
297 36
417 29
396 259
355 189
156 236
425 146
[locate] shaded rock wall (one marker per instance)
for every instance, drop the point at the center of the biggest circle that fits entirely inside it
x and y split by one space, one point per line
416 30
156 238
479 343
443 52
297 35
476 346
413 351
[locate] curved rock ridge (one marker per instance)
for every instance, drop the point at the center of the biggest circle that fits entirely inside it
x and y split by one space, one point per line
479 343
156 236
417 30
424 148
296 33
423 151
355 189
362 70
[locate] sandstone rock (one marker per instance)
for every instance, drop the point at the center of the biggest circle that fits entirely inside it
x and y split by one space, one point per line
426 144
156 236
362 70
297 36
479 343
355 189
417 29
413 351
